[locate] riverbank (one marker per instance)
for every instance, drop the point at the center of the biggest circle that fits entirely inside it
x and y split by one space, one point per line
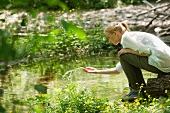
139 17
135 15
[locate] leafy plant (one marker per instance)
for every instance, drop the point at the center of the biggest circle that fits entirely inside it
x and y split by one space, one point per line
69 100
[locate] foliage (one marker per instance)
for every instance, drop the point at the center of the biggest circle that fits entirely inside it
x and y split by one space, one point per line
132 1
38 4
59 4
71 28
61 44
72 99
68 100
65 4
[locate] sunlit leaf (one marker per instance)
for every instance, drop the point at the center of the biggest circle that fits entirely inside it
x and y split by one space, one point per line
40 88
59 3
63 6
71 28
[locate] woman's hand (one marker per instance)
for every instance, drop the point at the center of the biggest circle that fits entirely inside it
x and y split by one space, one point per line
124 50
90 70
127 50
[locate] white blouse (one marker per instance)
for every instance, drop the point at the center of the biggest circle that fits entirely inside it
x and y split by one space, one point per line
147 43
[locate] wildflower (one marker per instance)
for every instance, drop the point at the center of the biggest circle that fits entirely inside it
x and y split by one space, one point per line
154 110
126 104
136 100
69 110
151 104
154 99
140 98
88 101
149 96
166 91
161 106
98 107
141 87
107 107
48 25
167 100
130 104
137 103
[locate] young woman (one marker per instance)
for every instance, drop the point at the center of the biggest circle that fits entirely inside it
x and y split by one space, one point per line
140 50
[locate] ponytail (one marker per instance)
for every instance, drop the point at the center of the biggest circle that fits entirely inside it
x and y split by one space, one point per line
125 25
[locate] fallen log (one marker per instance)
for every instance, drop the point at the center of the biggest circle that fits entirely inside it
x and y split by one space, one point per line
152 9
158 86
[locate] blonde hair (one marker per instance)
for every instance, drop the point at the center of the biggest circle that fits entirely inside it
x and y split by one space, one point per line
116 26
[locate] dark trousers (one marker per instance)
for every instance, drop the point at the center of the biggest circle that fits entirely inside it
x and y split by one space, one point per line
132 65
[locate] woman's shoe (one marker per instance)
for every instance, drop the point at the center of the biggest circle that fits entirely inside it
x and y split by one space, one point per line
134 94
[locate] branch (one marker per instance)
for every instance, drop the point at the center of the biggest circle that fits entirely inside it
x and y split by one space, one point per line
157 17
162 13
146 2
144 12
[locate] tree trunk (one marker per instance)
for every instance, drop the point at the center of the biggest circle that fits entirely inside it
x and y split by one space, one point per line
158 86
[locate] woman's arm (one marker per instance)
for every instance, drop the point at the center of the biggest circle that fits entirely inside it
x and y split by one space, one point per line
104 71
127 50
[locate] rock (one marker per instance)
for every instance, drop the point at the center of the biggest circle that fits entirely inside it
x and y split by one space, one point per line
129 15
